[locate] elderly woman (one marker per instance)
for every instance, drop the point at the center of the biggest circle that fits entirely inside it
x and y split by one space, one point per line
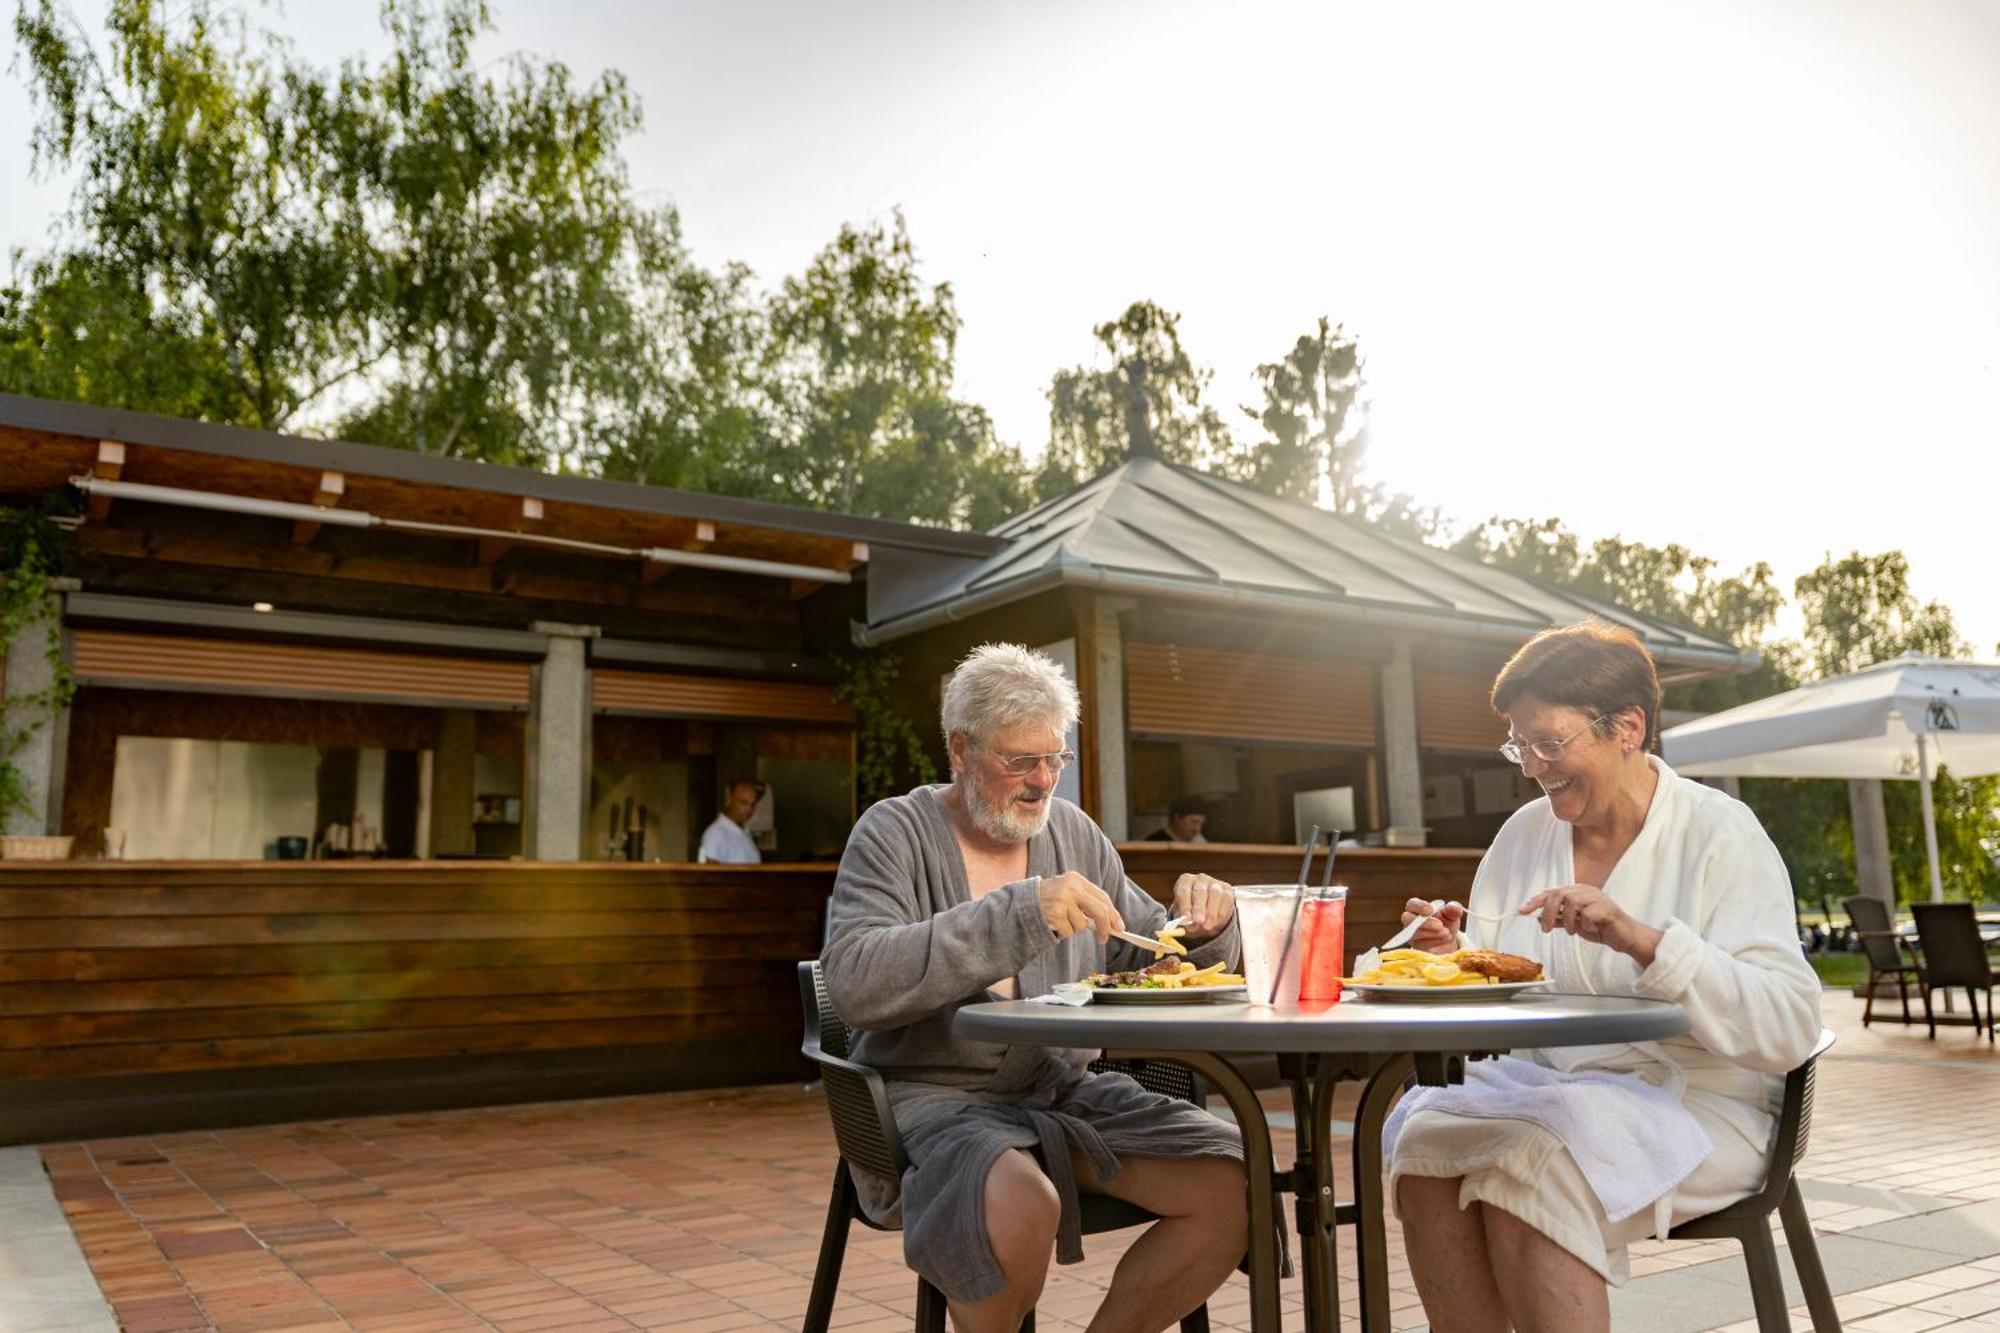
1519 1191
993 886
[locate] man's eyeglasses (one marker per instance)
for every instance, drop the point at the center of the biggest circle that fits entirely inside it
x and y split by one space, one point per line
1020 765
1515 752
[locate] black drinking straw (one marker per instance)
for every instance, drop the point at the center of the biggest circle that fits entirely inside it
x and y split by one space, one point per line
1332 846
1291 932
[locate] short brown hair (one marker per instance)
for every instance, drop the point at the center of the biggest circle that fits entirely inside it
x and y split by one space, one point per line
1599 668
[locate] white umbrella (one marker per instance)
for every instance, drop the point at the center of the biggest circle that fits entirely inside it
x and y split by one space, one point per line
1896 719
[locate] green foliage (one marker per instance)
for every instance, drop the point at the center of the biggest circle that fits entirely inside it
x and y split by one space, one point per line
1859 610
1315 445
1143 381
33 552
422 253
891 753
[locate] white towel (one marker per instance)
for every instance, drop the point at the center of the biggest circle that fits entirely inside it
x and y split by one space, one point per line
1633 1141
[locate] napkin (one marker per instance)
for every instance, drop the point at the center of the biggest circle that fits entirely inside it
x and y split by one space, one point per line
1072 993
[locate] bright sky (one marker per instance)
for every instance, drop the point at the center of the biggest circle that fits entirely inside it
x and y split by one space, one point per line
1720 273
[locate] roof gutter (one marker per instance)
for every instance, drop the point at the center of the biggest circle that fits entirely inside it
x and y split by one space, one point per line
355 518
1695 661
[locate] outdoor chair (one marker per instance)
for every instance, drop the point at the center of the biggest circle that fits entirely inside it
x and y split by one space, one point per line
1884 951
1955 955
865 1129
1748 1221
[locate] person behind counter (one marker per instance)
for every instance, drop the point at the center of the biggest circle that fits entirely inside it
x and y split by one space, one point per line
726 841
1185 818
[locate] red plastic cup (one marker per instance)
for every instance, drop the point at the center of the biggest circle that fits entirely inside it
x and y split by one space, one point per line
1322 938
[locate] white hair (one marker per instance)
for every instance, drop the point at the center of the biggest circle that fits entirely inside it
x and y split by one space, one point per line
1000 684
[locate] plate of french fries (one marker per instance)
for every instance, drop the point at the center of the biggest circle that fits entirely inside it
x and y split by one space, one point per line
1466 976
1171 980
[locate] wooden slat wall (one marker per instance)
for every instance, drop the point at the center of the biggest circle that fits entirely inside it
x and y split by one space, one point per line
136 969
714 696
1175 690
1453 713
1379 880
115 657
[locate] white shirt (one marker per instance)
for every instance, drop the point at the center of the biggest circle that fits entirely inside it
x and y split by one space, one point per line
725 841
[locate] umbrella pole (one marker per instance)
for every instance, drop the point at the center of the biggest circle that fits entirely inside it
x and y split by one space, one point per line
1930 816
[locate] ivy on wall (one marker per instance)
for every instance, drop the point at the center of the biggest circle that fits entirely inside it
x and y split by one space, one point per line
34 552
891 754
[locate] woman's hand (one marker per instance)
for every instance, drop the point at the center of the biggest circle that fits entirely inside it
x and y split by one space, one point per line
1439 934
1205 901
1589 914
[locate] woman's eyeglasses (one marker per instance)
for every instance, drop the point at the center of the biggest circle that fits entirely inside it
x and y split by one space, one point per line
1517 752
1020 765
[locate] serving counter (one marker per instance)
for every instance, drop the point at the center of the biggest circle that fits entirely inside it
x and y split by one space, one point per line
148 996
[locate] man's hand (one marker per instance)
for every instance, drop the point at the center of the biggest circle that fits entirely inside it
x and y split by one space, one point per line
1072 904
1205 901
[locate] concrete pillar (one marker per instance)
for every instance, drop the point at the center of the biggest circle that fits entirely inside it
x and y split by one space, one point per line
1871 840
1105 714
1402 768
33 664
559 744
452 783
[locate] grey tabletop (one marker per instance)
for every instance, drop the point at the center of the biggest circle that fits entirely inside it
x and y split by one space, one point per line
1527 1020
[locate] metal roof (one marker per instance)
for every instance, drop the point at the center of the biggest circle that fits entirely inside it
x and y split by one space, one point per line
1158 529
239 442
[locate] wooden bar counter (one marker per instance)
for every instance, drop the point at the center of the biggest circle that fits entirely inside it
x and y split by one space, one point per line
152 996
139 996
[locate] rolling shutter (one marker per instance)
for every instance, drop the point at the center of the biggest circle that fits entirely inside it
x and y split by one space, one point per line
287 670
1171 690
664 695
1453 714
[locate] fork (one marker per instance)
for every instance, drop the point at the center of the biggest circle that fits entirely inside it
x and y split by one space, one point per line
1407 933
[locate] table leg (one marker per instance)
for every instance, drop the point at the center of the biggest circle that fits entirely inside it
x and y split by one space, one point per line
1318 1226
1258 1166
1371 1252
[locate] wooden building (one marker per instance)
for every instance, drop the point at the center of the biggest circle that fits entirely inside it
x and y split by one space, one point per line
402 760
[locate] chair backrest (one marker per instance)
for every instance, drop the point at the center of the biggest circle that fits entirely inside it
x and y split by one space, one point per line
1788 1145
823 1025
1954 955
1871 921
856 1099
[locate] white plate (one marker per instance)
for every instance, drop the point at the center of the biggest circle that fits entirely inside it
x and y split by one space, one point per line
1166 994
1499 990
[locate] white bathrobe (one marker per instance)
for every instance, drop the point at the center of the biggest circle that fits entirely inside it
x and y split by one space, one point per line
1703 870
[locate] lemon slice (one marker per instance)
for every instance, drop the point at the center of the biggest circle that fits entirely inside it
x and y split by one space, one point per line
1440 973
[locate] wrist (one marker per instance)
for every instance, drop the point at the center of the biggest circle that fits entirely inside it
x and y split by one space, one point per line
1641 943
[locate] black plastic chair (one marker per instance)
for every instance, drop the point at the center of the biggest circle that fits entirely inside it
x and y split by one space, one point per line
865 1129
1955 955
1884 950
1748 1221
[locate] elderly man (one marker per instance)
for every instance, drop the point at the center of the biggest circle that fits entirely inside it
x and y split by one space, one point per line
987 887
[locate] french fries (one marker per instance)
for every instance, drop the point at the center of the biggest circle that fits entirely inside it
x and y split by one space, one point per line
1169 939
1418 967
1188 976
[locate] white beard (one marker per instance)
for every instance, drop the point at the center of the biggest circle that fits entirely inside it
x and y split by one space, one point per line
1003 822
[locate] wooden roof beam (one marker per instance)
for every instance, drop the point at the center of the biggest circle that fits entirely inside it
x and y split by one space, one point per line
701 536
332 486
108 466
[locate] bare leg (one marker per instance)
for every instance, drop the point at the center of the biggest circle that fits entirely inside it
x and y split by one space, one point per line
1546 1288
1021 1214
1203 1231
1448 1256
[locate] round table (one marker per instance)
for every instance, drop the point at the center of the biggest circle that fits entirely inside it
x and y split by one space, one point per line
1379 1042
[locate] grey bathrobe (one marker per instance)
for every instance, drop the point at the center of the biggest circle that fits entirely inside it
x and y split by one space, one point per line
907 946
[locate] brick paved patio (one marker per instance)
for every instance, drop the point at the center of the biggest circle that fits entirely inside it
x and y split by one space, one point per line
701 1211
